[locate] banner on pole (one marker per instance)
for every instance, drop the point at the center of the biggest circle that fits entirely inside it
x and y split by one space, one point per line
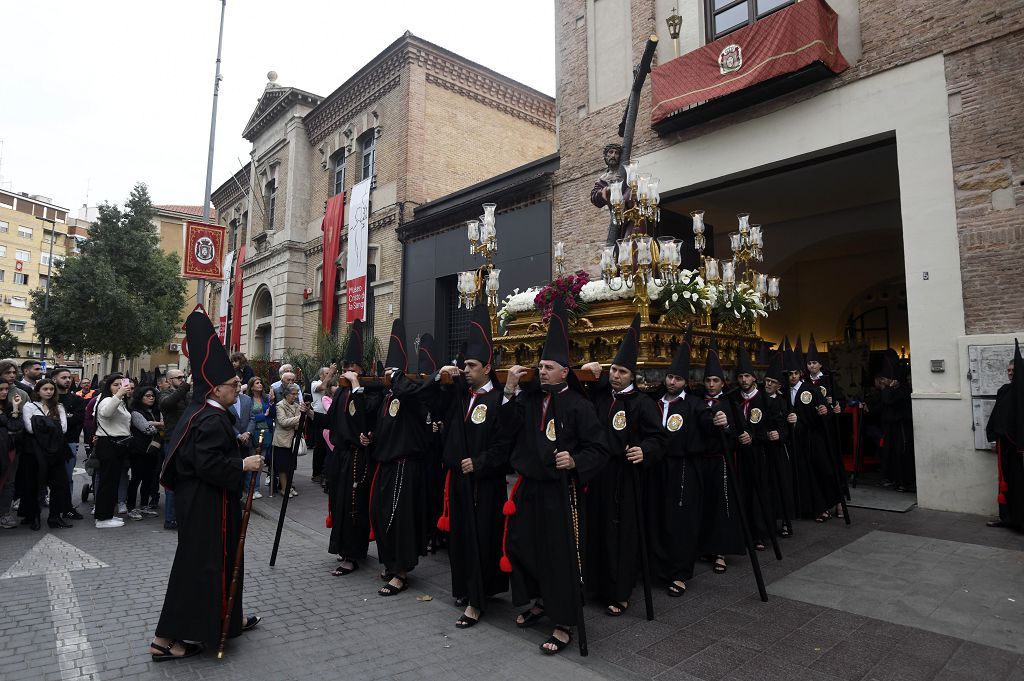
222 306
236 312
331 226
203 250
355 261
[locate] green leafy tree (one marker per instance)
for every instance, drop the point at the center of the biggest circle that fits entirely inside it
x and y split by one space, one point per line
8 341
123 296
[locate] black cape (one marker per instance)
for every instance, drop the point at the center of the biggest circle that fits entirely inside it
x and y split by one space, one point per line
349 470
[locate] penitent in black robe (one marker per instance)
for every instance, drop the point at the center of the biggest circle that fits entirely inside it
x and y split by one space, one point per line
398 504
779 461
677 522
815 475
349 470
544 561
752 463
205 472
1001 429
613 546
473 430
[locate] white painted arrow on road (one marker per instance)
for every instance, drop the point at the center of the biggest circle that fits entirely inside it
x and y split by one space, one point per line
57 559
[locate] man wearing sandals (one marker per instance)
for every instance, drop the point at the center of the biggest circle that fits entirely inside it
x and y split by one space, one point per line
205 468
636 441
750 404
556 434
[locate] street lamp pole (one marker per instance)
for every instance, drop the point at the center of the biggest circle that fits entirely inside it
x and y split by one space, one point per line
201 286
46 298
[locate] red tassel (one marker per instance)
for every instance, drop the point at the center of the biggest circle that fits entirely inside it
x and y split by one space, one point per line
373 483
329 521
509 508
505 564
444 523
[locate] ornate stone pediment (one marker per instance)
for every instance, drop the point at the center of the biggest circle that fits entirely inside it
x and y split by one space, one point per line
274 102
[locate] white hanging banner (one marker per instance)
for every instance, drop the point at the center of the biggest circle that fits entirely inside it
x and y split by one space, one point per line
355 260
225 289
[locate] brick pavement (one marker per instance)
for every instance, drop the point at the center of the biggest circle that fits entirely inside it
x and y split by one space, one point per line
321 627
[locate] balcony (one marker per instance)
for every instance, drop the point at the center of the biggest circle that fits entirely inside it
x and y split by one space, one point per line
787 50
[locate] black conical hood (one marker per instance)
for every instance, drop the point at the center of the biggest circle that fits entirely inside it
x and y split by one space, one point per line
713 367
890 364
479 345
812 351
681 362
210 363
354 350
556 345
743 363
774 370
629 348
798 353
764 353
95 382
397 357
788 357
427 355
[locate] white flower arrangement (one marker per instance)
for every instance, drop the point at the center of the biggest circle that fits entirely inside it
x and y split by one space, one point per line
515 303
598 291
746 303
689 295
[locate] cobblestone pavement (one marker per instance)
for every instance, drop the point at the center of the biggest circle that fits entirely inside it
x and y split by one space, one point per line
82 604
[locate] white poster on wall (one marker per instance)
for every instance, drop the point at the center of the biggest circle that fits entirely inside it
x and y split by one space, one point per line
355 260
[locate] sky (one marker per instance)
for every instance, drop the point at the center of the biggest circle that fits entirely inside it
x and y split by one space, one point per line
99 95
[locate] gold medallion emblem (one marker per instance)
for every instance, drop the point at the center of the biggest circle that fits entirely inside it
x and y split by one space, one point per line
674 423
806 397
755 415
393 408
824 392
352 408
479 414
550 430
619 420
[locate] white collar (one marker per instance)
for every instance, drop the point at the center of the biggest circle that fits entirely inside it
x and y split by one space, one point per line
816 376
628 389
484 389
215 403
794 388
749 395
681 395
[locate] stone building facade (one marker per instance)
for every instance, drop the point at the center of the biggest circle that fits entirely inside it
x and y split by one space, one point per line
901 178
420 121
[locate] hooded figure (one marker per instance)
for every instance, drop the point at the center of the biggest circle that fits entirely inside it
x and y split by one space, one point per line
774 370
556 345
713 367
743 363
629 348
354 349
426 355
397 357
681 361
1006 428
204 469
812 351
479 345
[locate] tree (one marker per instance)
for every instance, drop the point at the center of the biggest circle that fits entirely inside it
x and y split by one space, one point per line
8 341
123 296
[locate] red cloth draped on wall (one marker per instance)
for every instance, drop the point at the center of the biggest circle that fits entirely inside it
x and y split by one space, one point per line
332 243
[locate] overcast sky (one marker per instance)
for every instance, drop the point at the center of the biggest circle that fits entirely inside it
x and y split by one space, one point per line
101 94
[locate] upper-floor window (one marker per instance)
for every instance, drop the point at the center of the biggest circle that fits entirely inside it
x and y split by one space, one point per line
21 278
19 301
4 227
270 197
725 16
17 326
24 232
339 172
368 146
44 259
3 251
24 256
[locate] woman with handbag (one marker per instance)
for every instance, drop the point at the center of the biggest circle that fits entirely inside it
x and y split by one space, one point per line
145 451
113 433
286 422
45 455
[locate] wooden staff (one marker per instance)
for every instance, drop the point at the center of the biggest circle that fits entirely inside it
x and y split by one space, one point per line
288 488
239 551
733 485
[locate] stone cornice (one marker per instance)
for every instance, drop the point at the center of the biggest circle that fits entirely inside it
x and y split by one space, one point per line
324 120
272 104
507 102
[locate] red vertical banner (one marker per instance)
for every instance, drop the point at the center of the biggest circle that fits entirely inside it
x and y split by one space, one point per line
236 314
332 242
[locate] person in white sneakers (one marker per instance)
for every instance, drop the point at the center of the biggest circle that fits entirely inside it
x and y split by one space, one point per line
113 433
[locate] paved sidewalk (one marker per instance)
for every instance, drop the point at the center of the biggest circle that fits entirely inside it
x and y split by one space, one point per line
86 601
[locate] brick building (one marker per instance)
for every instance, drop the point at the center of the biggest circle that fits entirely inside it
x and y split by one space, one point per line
892 191
419 120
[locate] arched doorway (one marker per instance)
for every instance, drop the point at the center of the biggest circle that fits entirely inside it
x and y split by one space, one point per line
262 318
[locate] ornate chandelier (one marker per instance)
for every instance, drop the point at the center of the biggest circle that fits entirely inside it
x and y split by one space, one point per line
483 240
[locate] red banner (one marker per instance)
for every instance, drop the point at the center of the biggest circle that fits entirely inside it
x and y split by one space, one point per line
236 312
783 42
203 251
332 242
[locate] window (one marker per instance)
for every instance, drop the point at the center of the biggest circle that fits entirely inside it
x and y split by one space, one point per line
1 275
725 16
3 251
368 147
4 227
339 172
21 278
270 200
24 256
19 301
44 259
16 326
44 282
24 232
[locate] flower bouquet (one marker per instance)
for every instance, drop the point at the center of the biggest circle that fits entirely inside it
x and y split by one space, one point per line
568 288
744 306
515 304
688 296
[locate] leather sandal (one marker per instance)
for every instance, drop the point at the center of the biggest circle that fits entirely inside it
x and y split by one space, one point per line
676 590
341 570
558 644
615 609
250 622
191 650
719 566
529 618
390 589
465 622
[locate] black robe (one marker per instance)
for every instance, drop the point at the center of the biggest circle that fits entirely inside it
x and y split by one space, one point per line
349 470
752 462
613 547
1001 429
895 416
398 504
205 472
673 545
474 502
544 561
779 460
833 395
815 474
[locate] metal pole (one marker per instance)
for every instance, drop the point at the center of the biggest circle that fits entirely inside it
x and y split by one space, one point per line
46 299
201 286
